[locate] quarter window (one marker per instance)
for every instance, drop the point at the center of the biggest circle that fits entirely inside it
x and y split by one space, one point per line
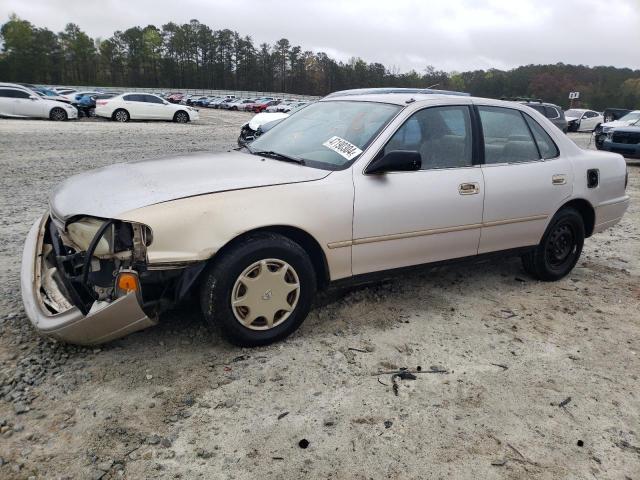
507 138
546 145
442 136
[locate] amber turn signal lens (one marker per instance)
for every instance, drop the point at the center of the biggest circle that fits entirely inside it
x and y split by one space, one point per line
128 282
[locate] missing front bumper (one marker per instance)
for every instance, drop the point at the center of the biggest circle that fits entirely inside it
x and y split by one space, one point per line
104 322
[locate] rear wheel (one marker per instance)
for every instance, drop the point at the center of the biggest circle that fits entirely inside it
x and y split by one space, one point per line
58 114
259 291
181 117
560 248
121 115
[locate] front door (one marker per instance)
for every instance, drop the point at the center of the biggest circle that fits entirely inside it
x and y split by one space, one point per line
411 218
525 179
26 106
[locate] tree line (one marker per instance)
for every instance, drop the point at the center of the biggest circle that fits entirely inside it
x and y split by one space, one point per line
193 55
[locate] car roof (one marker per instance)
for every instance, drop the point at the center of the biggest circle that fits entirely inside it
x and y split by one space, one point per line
14 85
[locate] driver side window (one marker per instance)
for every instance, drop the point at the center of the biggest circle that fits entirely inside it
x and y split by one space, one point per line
442 136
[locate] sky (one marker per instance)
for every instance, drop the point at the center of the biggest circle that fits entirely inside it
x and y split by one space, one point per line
451 35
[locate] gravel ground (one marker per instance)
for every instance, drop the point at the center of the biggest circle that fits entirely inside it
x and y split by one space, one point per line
520 379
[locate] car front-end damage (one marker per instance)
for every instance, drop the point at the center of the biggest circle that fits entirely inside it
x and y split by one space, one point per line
87 280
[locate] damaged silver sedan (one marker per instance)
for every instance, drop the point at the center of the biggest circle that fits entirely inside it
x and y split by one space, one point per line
355 184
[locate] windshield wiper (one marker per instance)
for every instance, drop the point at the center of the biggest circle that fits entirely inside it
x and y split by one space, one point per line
278 156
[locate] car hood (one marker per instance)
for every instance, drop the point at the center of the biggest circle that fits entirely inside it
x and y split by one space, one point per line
619 123
570 119
632 129
113 190
265 117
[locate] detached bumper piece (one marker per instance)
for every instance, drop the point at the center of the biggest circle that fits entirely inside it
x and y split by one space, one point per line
50 300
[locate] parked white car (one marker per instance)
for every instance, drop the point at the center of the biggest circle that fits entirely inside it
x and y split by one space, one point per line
18 101
582 120
144 106
348 186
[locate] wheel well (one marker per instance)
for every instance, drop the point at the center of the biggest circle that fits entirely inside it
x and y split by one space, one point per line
586 211
302 238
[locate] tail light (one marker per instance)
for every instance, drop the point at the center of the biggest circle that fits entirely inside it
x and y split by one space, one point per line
101 102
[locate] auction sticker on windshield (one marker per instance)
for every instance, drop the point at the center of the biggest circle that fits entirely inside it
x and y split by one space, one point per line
342 147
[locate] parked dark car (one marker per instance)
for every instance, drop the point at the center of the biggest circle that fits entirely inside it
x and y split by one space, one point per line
549 110
611 114
623 140
629 119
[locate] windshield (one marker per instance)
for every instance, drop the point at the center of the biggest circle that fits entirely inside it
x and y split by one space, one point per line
573 113
631 116
328 135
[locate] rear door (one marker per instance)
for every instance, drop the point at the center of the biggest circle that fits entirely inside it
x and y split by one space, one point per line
6 102
525 179
136 106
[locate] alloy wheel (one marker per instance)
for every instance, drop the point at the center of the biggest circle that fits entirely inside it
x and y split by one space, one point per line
121 116
58 114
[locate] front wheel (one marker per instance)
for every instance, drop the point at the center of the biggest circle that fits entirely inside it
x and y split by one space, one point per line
181 117
58 114
560 248
259 291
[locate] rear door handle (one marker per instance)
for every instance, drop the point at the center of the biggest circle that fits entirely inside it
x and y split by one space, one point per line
559 179
470 188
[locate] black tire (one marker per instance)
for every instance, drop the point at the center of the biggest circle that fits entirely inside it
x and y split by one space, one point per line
220 278
181 117
121 115
560 248
58 114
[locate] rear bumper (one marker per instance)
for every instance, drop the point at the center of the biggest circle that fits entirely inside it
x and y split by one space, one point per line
608 214
105 322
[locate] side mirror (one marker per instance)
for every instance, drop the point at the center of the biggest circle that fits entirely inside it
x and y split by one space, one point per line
165 102
396 161
33 97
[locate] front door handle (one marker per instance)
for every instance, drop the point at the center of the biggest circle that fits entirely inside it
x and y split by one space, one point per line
470 188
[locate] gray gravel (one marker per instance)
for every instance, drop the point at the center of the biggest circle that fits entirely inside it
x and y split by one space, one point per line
177 402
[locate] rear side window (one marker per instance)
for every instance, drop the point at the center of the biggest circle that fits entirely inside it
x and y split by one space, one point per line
546 145
507 138
133 98
539 108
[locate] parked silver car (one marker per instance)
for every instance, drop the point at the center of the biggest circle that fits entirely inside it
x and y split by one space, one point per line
345 187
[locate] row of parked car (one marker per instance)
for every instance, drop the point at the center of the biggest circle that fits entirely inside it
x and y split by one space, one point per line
231 102
30 101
